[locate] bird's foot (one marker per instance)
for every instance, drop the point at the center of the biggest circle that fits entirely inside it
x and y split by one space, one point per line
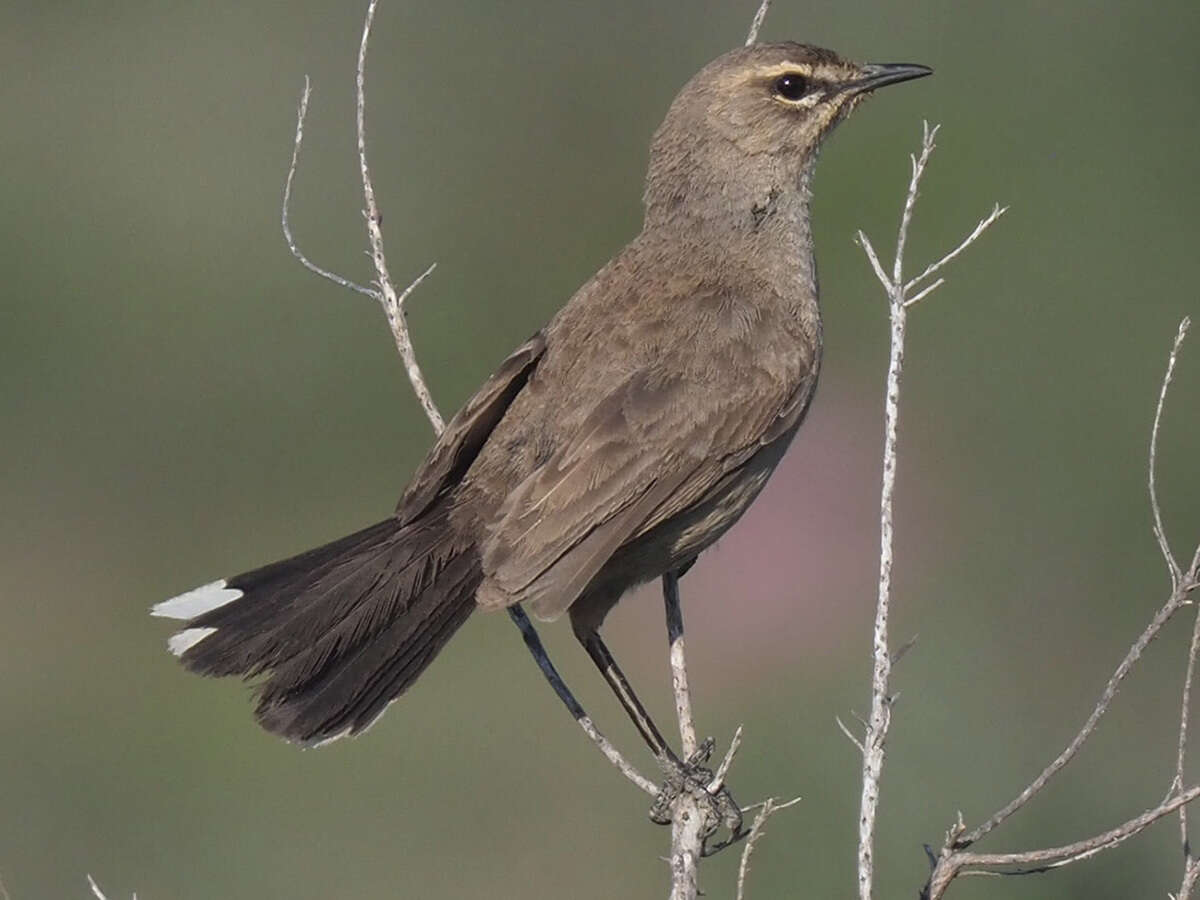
693 778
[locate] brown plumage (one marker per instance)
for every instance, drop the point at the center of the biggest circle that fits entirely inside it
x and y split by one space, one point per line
616 445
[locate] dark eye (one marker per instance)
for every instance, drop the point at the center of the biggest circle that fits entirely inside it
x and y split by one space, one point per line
791 86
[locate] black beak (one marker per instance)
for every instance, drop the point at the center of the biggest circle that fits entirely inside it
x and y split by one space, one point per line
876 75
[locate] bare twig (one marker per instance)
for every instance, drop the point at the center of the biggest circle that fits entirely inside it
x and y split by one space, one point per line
1106 697
96 892
1191 875
1181 587
769 807
873 744
301 115
954 859
1184 718
984 223
718 779
393 304
962 862
1159 534
849 734
756 23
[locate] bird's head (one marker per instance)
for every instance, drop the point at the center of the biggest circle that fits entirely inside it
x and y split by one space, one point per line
759 112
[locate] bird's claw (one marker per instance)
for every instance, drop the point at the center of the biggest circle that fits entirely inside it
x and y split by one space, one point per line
693 777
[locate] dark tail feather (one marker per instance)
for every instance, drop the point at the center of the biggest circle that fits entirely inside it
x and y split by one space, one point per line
338 632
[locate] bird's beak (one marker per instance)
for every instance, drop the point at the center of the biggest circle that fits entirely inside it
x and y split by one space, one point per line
876 75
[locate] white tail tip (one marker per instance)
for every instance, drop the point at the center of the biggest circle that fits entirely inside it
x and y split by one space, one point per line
185 640
196 602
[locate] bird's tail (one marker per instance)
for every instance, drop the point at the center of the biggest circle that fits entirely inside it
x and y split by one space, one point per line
336 633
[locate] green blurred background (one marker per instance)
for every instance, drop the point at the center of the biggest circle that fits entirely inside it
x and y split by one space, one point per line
179 401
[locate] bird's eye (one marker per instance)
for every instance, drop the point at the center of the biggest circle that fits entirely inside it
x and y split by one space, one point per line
791 86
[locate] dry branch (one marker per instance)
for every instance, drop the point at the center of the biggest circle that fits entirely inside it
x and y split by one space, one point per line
954 859
393 305
873 744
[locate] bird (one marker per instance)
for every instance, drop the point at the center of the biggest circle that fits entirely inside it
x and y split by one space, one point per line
614 446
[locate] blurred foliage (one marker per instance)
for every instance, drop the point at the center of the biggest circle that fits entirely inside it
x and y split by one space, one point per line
180 400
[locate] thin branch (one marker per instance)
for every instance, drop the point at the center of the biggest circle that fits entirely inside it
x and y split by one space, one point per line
914 300
1181 587
756 24
393 305
301 115
849 734
1110 691
985 223
718 779
1173 569
910 199
96 892
769 807
879 719
1191 875
1184 717
873 744
756 831
958 863
1159 534
869 249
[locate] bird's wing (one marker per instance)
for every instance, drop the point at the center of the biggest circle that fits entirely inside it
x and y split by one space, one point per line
460 442
649 450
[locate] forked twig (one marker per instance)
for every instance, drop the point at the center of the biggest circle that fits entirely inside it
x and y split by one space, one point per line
393 305
873 743
301 115
954 859
1178 597
1029 862
768 808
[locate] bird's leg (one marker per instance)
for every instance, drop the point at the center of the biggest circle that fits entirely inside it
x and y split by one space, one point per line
682 776
596 649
